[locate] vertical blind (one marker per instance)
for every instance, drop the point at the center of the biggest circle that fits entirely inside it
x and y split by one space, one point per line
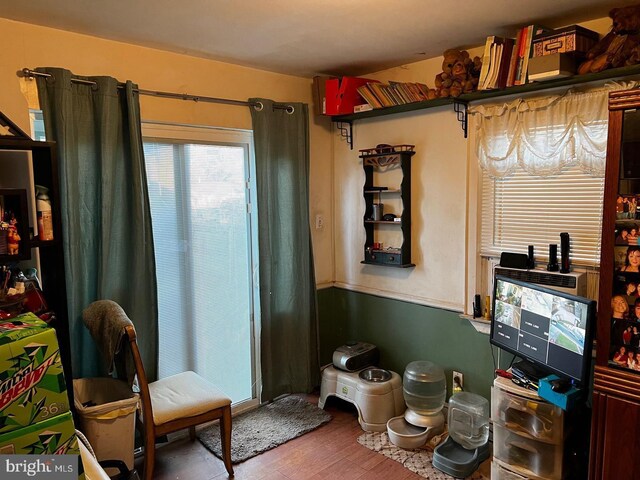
198 195
524 209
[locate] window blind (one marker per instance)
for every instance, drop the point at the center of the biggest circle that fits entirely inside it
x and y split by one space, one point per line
523 210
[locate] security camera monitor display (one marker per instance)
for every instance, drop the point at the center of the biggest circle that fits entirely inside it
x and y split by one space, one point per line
547 327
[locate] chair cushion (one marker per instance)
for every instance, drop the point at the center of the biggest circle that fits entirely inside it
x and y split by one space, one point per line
184 395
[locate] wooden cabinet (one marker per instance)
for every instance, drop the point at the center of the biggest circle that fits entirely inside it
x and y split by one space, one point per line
614 432
25 163
387 194
615 427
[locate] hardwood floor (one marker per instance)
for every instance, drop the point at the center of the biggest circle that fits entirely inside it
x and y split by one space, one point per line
330 452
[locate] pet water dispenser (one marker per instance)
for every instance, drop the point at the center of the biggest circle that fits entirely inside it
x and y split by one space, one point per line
424 391
467 444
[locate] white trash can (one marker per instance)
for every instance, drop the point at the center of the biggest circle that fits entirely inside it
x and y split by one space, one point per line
107 412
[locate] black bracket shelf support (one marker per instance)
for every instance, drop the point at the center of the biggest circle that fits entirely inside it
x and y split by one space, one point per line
346 131
461 113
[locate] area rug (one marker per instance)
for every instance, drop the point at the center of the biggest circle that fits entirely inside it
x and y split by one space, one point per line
418 460
266 427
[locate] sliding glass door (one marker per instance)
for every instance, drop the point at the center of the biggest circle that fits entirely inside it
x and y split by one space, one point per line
200 188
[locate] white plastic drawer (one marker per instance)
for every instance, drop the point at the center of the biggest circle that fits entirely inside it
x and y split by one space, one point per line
527 456
498 472
538 420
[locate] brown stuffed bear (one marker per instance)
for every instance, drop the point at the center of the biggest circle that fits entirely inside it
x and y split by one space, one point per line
459 74
620 47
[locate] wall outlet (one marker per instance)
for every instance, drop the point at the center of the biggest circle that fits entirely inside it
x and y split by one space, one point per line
319 222
457 382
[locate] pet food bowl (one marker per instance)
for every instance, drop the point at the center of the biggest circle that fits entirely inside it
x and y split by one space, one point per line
404 435
375 375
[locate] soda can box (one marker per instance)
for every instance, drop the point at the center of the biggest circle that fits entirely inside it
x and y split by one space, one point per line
36 445
53 436
32 386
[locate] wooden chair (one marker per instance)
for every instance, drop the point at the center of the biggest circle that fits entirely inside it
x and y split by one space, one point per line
175 403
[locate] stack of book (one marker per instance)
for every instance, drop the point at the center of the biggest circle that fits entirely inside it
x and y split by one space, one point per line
496 62
379 95
505 61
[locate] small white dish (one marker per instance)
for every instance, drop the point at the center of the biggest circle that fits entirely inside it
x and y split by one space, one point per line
404 435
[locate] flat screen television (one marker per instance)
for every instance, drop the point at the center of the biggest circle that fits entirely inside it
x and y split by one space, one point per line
549 328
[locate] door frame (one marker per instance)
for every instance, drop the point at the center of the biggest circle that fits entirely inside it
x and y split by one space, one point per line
208 135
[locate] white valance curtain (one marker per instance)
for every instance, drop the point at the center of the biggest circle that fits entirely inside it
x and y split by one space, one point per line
544 135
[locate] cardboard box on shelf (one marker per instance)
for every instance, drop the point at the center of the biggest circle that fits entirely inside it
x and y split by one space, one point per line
32 386
574 38
319 94
549 67
342 94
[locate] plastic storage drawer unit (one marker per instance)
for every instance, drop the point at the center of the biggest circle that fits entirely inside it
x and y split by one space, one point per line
526 455
539 420
498 472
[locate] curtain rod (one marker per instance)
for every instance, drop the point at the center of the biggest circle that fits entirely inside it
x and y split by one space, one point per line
25 72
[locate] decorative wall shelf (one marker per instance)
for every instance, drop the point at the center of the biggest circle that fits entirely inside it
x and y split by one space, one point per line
345 122
380 160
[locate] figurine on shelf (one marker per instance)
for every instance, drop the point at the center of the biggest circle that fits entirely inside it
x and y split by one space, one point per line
13 238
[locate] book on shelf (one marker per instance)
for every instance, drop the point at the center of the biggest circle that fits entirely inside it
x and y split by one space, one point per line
515 57
398 93
381 95
366 93
486 62
418 92
498 60
526 50
396 98
505 63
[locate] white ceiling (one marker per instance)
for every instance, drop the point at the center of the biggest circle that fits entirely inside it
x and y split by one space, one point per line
304 37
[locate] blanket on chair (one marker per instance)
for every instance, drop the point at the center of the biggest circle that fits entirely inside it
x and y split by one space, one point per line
105 320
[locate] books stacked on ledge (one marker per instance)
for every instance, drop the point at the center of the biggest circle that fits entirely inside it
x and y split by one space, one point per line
505 61
380 95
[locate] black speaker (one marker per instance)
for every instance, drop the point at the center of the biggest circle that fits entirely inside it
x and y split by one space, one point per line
514 260
477 306
564 253
532 260
553 266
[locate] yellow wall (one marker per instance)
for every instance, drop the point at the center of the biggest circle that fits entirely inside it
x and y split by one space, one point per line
32 46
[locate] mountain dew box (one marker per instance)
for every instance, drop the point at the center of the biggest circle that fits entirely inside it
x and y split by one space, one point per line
53 436
32 387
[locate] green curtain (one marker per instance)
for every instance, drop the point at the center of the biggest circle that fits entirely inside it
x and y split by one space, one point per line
106 219
288 332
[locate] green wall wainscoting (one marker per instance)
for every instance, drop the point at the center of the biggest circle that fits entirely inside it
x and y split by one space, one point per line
404 332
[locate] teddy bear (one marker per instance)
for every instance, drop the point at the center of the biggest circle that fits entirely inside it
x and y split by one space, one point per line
620 47
459 74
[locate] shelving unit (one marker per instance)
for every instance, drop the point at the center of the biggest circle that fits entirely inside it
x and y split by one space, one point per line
379 161
24 163
345 122
616 385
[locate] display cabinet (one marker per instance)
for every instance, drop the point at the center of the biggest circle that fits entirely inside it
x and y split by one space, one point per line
387 196
25 163
616 391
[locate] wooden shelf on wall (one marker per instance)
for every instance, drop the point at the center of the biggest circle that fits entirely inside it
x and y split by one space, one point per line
487 94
